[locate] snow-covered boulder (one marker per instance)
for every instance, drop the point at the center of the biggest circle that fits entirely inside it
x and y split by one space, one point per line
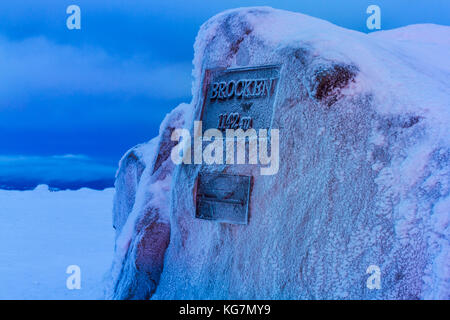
141 213
363 175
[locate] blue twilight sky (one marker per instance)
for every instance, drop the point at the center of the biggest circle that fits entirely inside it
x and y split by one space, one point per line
100 90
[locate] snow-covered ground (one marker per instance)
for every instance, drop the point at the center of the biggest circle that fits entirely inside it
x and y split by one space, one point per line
43 232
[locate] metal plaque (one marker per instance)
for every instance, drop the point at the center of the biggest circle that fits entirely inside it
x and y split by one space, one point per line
223 197
240 98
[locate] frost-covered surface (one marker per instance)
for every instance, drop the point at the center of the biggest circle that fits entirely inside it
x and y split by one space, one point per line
363 180
141 212
43 232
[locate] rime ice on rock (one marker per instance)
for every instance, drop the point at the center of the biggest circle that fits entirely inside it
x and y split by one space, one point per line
141 213
363 178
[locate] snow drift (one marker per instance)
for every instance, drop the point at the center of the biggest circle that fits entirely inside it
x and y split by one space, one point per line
44 232
363 178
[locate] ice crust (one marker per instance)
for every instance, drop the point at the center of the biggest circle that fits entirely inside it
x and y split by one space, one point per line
363 180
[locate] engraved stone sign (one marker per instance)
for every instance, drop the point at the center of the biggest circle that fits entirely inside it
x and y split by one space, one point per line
223 197
240 98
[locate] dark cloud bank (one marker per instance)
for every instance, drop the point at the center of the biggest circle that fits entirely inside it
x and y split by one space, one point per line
58 172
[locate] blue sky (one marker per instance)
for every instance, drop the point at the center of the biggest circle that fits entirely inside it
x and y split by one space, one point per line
102 89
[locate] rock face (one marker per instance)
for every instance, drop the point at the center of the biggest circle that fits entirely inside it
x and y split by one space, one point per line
141 213
363 173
